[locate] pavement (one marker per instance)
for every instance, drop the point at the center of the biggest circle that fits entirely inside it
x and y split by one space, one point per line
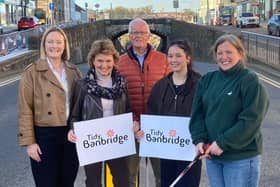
263 24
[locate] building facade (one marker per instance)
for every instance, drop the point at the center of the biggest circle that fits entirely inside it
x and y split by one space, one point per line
12 10
56 10
210 10
263 8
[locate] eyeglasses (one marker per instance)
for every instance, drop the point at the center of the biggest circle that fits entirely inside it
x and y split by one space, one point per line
142 33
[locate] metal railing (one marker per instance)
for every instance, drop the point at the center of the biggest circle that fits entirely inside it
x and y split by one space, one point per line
19 40
13 41
263 48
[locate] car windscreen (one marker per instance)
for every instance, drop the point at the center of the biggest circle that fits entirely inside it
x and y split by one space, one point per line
247 15
26 19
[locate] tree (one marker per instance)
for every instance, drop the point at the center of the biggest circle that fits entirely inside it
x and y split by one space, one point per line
189 14
122 12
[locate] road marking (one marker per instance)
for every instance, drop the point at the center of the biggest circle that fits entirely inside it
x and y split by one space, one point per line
9 81
268 80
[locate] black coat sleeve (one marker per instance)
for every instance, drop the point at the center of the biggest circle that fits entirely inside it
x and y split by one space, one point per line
76 103
154 100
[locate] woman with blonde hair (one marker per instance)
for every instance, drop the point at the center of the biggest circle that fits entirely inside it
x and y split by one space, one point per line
43 109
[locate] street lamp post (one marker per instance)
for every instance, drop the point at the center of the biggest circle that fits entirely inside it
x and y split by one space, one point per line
207 13
96 11
176 5
111 10
197 15
86 7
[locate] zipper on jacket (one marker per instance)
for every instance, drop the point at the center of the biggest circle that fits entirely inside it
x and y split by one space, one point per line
175 104
142 85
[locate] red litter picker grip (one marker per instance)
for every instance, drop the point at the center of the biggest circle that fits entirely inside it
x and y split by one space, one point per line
188 167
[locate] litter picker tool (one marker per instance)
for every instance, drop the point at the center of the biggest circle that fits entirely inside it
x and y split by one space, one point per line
188 167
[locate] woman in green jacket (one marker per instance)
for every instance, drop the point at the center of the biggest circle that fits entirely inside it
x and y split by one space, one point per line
228 109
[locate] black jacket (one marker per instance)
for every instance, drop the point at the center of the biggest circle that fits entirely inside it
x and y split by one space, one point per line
164 101
85 106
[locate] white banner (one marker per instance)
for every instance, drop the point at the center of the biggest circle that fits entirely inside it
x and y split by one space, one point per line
166 137
104 138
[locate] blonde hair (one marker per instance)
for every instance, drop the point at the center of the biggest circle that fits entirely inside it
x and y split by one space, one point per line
235 41
105 47
66 52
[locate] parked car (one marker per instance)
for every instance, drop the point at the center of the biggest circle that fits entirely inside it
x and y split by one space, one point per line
247 19
273 25
1 29
27 22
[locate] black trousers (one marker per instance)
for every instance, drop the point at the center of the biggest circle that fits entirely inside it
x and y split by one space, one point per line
170 169
59 165
118 169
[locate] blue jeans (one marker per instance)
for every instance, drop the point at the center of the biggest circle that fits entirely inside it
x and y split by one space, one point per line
241 173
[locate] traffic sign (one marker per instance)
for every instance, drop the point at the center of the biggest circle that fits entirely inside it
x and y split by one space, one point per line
51 6
175 3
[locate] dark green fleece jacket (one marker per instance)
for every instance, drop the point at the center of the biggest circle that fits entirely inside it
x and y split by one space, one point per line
229 107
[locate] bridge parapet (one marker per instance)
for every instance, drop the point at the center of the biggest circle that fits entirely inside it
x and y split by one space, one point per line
81 37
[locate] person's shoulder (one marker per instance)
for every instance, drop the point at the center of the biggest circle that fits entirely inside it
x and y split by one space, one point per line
74 68
124 58
31 67
163 81
124 55
71 65
80 84
249 76
210 74
157 53
196 75
207 78
250 73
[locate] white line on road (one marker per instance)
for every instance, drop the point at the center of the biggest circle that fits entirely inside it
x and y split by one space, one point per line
9 81
268 80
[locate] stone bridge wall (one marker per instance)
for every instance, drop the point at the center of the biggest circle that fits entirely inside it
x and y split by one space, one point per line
201 38
81 37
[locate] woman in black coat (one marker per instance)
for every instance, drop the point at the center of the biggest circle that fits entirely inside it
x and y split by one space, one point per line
173 96
102 93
